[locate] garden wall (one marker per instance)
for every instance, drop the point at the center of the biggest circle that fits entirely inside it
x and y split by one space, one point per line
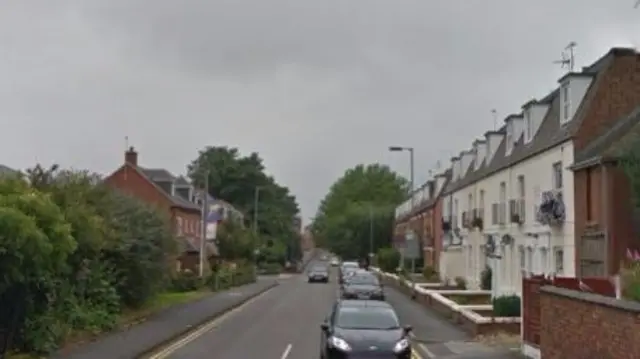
586 325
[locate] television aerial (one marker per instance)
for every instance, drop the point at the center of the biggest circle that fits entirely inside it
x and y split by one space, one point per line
568 59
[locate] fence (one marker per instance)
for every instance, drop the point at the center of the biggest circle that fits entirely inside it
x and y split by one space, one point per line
531 299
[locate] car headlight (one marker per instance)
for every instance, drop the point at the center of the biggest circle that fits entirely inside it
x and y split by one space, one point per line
402 345
339 344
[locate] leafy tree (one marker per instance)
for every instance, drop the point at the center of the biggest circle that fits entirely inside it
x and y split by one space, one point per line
235 178
235 242
363 196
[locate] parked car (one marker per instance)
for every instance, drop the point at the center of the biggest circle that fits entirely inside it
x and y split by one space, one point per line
362 329
345 268
362 285
319 274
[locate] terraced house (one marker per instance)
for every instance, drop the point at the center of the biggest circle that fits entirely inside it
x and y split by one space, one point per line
421 214
542 194
511 200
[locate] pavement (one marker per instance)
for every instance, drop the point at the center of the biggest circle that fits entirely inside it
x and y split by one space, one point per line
168 324
284 323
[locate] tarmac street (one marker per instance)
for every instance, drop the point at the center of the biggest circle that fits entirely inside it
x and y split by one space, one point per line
284 323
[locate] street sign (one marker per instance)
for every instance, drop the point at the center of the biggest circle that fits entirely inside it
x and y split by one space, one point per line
412 246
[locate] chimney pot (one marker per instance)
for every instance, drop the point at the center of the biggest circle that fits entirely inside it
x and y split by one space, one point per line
131 156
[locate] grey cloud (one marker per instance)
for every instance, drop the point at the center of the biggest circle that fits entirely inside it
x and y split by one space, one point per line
314 86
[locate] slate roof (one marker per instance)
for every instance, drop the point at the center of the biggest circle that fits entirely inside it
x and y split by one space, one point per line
550 133
611 144
158 175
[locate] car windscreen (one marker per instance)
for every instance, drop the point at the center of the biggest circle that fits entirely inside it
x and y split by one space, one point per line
367 318
319 269
348 265
363 280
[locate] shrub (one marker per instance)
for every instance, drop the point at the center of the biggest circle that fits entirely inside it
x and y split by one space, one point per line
186 281
630 280
461 283
506 306
271 268
429 273
388 259
486 278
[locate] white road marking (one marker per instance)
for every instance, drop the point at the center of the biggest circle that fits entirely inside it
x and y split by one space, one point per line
286 352
203 329
422 347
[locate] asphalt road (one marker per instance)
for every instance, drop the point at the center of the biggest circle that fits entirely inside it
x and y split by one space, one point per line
284 323
284 320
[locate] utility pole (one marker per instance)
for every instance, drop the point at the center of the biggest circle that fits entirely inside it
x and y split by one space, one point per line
411 194
204 214
256 199
370 233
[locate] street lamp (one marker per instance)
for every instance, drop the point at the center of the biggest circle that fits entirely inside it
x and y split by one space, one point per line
411 183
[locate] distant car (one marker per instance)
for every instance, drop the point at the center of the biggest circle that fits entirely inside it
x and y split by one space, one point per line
362 286
347 267
362 329
335 262
319 274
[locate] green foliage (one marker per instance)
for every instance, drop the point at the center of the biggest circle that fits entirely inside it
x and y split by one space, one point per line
461 283
235 178
226 276
235 242
506 306
429 273
186 281
80 251
271 268
363 196
486 278
388 259
630 280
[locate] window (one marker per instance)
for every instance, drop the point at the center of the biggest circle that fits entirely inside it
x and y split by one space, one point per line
566 103
470 206
530 260
481 203
559 256
509 137
588 199
367 318
179 226
455 212
543 260
557 176
502 207
521 189
523 263
528 125
503 192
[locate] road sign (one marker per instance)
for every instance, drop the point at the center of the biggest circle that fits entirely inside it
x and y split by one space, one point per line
412 246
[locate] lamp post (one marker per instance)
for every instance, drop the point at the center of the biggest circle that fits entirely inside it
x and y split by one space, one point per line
203 231
411 184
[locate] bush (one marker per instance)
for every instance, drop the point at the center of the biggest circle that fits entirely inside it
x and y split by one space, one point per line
461 283
186 281
271 268
630 280
429 273
226 277
506 306
91 252
388 259
486 278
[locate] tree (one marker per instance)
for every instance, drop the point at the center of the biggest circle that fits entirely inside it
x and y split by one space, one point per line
364 195
235 178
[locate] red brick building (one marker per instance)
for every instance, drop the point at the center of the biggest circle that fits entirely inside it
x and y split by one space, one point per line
605 215
425 219
174 195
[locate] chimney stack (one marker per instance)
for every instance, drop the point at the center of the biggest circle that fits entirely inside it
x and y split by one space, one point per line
131 157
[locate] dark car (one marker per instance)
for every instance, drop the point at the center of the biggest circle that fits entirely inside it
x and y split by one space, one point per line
362 286
346 269
363 329
319 274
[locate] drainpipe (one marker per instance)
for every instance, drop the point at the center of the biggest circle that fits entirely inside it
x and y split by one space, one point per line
605 212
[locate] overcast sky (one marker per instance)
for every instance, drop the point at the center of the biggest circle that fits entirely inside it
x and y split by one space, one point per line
314 86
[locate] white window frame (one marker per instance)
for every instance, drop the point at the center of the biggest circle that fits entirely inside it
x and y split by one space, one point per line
523 261
509 137
558 259
557 175
528 126
566 102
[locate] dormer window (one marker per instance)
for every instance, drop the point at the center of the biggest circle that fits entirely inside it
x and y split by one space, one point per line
528 126
509 138
566 102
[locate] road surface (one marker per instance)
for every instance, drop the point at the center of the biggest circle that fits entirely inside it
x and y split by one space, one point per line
284 323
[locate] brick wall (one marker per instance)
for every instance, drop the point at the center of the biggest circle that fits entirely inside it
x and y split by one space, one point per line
531 300
585 325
